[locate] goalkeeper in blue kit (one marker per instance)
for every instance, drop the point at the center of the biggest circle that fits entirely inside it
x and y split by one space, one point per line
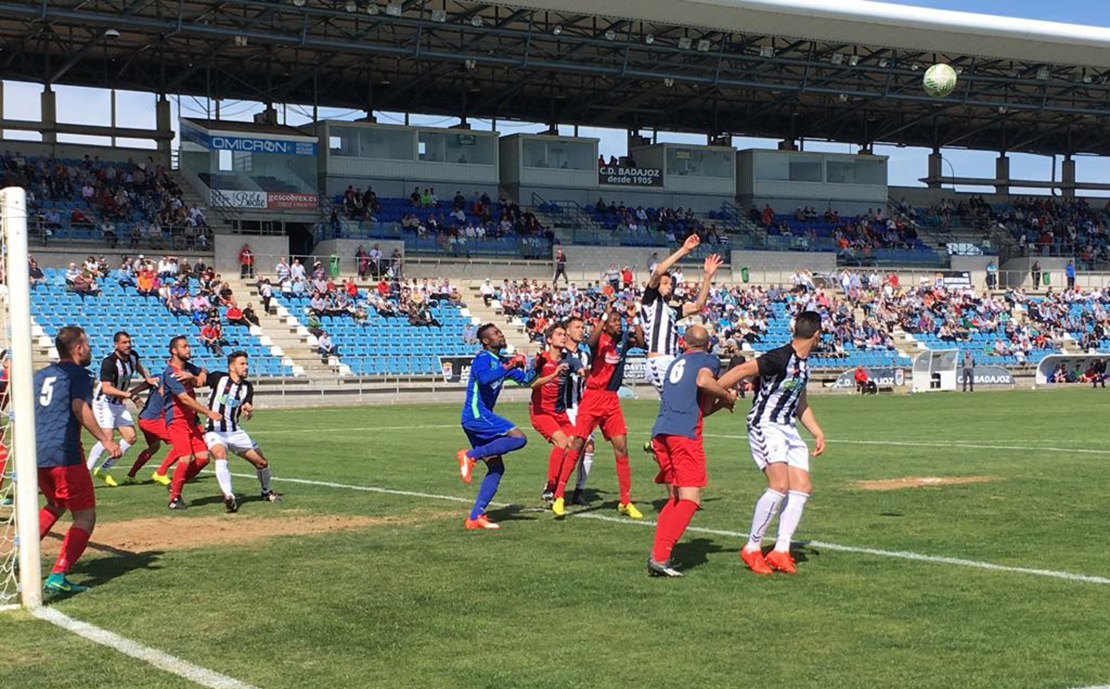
491 436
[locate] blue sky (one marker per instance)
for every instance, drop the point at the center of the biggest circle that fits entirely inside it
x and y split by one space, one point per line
907 165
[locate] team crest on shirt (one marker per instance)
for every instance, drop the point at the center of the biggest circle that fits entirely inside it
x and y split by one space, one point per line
612 359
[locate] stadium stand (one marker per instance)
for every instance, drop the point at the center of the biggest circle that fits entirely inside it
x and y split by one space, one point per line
110 307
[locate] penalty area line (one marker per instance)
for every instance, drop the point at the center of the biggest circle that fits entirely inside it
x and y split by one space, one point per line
859 550
159 659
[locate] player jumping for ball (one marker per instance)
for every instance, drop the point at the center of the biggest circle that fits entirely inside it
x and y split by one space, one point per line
690 392
778 404
491 437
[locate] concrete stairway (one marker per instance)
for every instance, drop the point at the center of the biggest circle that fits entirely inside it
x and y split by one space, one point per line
286 332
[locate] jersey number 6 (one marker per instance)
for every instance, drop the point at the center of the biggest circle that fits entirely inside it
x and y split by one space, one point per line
677 371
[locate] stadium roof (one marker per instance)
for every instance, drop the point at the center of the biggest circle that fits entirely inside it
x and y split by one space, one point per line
850 72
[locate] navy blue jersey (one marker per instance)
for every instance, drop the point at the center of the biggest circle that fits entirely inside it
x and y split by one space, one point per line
57 429
155 406
679 410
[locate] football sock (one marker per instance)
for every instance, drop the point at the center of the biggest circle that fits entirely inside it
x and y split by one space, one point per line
765 510
195 467
178 481
94 455
570 458
499 446
584 470
140 461
168 462
788 521
72 546
223 477
46 520
124 446
673 520
264 478
554 466
494 470
624 479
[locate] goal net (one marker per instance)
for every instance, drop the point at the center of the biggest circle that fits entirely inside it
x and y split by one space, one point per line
20 568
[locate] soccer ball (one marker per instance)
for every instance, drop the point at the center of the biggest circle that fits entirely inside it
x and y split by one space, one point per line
939 80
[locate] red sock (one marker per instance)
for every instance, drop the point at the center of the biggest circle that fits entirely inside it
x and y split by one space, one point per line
46 520
554 465
673 521
570 460
624 479
142 459
72 546
178 481
194 468
168 462
3 462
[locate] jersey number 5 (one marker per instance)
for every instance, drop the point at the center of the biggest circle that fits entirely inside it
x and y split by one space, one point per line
47 391
677 370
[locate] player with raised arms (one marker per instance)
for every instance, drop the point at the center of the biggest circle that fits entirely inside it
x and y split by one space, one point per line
181 421
491 436
152 422
609 344
116 371
690 392
62 394
780 453
232 396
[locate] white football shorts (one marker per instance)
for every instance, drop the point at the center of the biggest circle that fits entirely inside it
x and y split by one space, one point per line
111 415
238 442
773 442
655 370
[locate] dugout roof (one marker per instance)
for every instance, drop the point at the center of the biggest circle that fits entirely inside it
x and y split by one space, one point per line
797 68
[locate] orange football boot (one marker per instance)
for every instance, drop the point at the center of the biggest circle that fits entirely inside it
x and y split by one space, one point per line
781 561
754 560
482 522
466 465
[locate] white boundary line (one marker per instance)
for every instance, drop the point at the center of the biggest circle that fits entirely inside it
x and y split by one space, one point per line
900 554
159 659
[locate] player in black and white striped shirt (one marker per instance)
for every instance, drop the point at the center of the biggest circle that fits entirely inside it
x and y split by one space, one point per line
112 388
232 396
659 319
576 333
780 453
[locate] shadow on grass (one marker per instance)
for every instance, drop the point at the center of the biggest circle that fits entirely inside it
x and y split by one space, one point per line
695 553
101 570
511 513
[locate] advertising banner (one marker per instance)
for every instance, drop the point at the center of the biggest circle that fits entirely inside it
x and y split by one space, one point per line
242 144
956 279
881 377
616 175
291 200
238 199
986 375
455 369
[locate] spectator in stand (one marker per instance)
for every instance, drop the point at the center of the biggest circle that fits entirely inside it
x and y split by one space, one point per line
234 316
612 277
250 316
1035 272
1069 271
35 273
626 277
85 284
560 267
246 262
325 348
861 379
469 334
210 338
71 275
266 291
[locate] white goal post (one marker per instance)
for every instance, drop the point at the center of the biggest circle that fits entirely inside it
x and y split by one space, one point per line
23 465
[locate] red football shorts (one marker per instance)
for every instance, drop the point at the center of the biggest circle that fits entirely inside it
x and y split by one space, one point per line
186 438
70 487
600 408
547 424
681 460
154 430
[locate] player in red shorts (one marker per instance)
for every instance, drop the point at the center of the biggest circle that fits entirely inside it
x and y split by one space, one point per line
689 387
609 344
548 408
62 394
182 408
152 422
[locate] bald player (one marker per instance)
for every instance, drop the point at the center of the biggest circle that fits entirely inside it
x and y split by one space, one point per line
690 392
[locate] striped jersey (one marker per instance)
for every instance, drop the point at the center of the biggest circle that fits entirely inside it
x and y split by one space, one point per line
551 398
117 373
660 323
572 392
227 399
780 392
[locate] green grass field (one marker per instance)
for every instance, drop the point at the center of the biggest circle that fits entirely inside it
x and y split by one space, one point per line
370 589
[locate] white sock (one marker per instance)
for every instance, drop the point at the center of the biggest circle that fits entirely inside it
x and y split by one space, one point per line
791 515
94 455
124 446
584 470
223 477
264 478
765 509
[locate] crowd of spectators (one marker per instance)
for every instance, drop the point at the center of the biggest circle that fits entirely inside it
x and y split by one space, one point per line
126 202
856 237
675 224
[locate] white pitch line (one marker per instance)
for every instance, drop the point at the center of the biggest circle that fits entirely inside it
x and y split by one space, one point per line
309 429
900 554
956 445
159 659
